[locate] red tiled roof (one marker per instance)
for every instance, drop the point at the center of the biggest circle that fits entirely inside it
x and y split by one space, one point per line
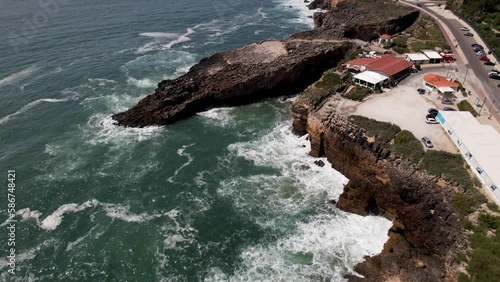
389 64
385 36
361 61
439 81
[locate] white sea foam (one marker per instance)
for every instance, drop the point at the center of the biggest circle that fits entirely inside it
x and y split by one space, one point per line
142 83
33 104
305 15
323 249
323 246
218 116
169 64
159 34
115 211
102 129
18 75
182 152
159 45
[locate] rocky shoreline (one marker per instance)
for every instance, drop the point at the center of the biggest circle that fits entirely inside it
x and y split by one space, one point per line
427 232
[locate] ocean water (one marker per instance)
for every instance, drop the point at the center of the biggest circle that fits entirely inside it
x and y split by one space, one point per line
226 195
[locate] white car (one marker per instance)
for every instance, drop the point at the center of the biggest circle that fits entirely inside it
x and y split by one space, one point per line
430 119
465 29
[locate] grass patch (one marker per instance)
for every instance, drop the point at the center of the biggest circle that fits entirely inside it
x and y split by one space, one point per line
406 144
329 80
463 203
383 132
451 165
466 106
425 34
484 258
358 93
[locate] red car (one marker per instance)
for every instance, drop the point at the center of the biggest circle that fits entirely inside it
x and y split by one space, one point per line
484 59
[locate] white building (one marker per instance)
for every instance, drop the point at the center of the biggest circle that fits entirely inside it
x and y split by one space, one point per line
479 144
434 57
417 58
370 79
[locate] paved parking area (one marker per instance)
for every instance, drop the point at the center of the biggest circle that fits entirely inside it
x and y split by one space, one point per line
406 108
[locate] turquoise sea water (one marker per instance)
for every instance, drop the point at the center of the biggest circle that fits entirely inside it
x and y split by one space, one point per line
227 195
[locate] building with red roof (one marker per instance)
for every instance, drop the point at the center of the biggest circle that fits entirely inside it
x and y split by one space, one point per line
439 83
390 65
386 66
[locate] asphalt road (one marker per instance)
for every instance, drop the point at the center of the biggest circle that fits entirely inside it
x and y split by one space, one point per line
476 65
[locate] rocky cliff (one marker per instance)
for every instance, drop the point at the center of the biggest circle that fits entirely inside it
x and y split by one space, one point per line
267 69
270 68
427 232
364 20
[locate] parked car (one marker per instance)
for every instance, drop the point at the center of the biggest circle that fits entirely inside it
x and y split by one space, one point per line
476 45
468 34
448 109
433 112
465 29
494 75
447 101
421 91
477 48
427 142
419 5
430 119
486 59
480 53
489 63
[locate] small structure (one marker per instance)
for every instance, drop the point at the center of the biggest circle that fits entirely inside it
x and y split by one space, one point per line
417 59
385 39
434 57
358 65
371 79
440 83
447 57
478 144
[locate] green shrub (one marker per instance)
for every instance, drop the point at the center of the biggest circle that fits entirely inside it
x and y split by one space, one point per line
464 204
383 132
493 207
466 106
406 144
329 80
359 93
452 165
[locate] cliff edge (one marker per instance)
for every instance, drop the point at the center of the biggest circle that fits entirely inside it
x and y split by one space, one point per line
427 231
269 68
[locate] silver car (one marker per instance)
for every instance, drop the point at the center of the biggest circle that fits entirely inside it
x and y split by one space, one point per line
427 142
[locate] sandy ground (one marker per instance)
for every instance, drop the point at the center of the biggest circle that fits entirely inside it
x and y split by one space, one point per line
406 108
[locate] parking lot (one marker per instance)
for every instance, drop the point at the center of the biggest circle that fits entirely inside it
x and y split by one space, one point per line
406 108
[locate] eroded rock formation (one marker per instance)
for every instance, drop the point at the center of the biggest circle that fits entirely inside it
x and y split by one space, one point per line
267 69
427 232
270 68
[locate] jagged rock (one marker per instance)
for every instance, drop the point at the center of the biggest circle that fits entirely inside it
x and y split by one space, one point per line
267 69
319 163
391 187
270 68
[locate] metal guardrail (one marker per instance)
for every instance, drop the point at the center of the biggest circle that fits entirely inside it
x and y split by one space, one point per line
476 28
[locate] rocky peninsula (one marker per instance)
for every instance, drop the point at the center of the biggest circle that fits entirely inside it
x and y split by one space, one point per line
427 232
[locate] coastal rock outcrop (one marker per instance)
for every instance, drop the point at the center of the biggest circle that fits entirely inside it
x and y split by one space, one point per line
426 232
364 20
266 69
270 68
